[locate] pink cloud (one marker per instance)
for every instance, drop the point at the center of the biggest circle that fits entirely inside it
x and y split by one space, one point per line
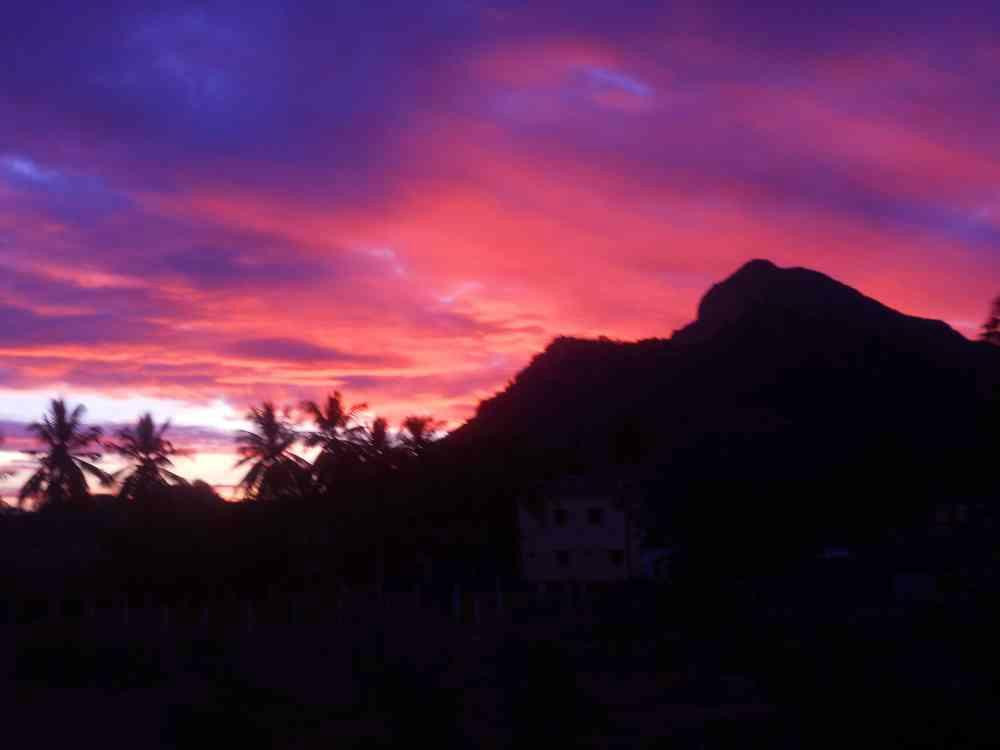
566 183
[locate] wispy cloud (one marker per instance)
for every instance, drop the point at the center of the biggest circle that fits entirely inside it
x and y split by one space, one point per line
271 200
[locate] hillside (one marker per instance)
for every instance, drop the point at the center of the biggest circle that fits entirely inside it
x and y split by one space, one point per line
785 376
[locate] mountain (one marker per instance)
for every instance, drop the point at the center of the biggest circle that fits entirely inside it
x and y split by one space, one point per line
787 379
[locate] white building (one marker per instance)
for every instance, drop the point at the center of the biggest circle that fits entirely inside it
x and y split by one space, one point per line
579 530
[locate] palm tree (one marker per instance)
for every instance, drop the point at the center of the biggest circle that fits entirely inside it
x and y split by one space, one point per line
380 456
65 460
274 470
4 474
418 433
377 449
991 328
149 452
338 434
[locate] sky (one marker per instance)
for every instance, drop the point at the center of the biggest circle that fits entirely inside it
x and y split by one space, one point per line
205 205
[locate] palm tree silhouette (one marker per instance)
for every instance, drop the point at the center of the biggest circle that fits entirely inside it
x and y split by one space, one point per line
991 328
274 470
4 474
149 452
377 449
65 460
418 433
379 455
338 434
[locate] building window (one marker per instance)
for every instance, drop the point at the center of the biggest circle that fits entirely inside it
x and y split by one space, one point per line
595 516
617 557
562 558
561 517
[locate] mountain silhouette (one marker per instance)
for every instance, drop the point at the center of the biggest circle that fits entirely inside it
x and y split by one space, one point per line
761 292
787 379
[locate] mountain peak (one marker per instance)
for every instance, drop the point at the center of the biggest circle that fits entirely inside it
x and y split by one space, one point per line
762 283
767 293
757 265
786 372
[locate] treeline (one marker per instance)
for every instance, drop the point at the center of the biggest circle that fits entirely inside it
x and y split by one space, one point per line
346 447
372 505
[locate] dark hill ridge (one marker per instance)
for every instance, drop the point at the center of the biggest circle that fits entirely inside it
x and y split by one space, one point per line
786 373
761 288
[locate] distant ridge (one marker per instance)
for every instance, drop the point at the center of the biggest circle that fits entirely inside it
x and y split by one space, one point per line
785 372
760 287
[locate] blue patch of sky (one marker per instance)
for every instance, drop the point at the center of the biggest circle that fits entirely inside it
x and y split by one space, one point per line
611 79
68 195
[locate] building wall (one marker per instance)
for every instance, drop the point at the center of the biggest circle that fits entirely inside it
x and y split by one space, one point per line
579 549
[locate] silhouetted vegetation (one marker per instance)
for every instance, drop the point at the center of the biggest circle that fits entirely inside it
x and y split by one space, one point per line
340 436
991 328
4 474
793 407
541 682
65 460
275 471
417 434
149 453
793 416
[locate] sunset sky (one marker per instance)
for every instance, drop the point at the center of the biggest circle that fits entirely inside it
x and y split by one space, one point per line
206 205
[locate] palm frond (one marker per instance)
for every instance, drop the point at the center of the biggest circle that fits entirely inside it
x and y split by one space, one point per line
172 477
76 416
33 487
98 473
74 481
250 480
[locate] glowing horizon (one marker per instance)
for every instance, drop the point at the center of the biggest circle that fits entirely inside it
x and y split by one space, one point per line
202 209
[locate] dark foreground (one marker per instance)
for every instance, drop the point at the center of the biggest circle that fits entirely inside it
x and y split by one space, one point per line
637 667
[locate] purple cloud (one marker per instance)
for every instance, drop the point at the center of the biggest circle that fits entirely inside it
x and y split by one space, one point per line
304 352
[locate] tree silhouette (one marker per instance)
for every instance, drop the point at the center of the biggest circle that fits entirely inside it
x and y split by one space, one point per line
149 452
991 328
417 433
274 470
4 474
380 457
65 460
377 449
338 434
